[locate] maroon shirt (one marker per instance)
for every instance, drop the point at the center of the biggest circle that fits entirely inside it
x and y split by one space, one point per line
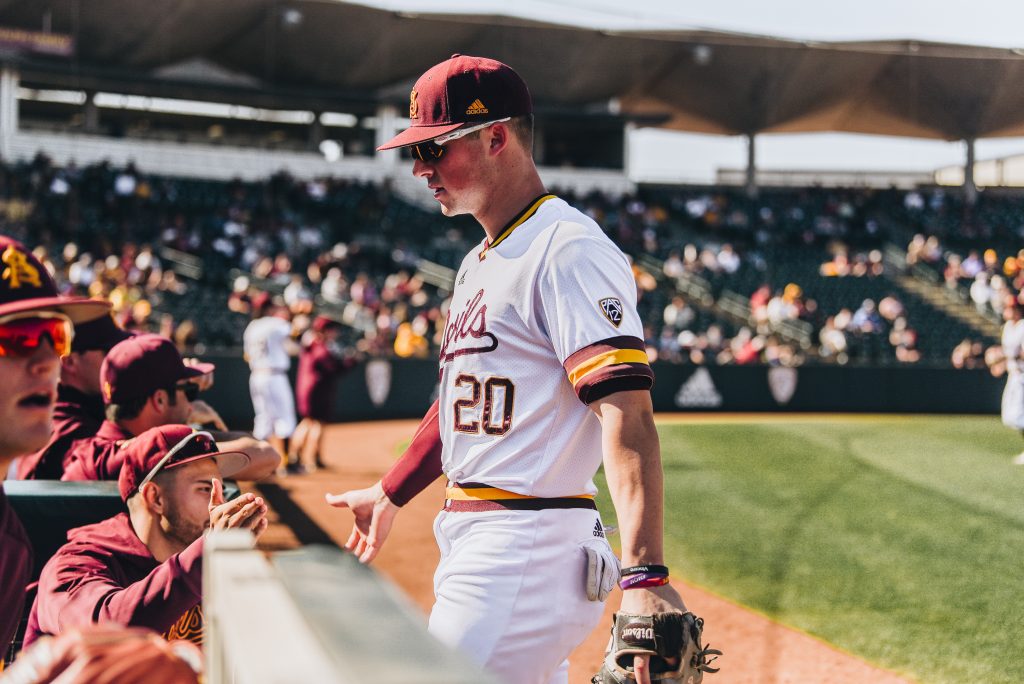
97 457
106 574
77 416
316 378
15 572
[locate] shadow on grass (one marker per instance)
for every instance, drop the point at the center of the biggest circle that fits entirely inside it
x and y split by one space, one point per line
778 568
291 514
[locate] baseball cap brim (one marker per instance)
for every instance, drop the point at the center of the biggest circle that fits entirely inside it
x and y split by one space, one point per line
229 463
79 310
414 135
194 371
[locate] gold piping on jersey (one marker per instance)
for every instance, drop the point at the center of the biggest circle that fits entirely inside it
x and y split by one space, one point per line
516 222
604 360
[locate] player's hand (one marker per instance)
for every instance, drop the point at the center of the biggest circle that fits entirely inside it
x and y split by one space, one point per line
202 413
374 514
106 654
247 512
650 601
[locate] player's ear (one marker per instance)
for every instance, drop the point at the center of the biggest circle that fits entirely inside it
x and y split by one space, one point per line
500 137
159 400
152 497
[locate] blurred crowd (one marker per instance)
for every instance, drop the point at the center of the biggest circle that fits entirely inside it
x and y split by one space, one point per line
187 258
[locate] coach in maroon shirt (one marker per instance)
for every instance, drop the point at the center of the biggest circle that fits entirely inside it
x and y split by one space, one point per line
36 328
143 568
79 410
321 365
145 383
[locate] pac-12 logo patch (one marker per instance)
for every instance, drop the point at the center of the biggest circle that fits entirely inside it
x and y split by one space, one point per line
611 307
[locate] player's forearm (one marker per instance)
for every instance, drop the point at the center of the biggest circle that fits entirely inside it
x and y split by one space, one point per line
263 458
632 460
419 465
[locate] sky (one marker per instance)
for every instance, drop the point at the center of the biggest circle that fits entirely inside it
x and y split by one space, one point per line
679 157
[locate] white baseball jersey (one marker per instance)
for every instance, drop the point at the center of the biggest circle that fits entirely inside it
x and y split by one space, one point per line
1012 407
264 344
542 322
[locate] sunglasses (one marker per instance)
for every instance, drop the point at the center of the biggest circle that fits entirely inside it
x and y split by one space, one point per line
22 334
172 452
190 389
433 150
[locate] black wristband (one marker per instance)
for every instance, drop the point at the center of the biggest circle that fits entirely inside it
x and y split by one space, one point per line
638 569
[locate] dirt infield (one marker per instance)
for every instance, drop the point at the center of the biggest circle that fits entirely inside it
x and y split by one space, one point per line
757 650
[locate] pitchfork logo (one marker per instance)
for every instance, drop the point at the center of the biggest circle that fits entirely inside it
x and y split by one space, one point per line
20 270
611 307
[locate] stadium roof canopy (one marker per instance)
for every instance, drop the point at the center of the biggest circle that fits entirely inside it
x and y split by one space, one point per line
319 53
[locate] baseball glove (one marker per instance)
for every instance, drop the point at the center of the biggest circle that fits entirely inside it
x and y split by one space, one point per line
671 639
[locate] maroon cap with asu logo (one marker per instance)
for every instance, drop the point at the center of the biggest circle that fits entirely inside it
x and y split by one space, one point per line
171 446
143 364
459 91
26 286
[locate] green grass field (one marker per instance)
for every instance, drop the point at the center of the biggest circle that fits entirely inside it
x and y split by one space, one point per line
898 539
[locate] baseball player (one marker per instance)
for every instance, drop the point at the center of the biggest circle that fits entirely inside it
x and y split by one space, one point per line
36 331
268 346
542 374
1012 342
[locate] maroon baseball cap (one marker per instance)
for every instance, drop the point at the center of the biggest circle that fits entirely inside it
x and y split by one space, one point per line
141 365
459 91
26 285
99 335
322 323
171 446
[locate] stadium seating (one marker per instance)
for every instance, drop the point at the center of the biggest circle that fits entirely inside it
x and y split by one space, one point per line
209 231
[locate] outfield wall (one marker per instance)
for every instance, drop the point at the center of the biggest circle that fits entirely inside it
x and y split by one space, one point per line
402 388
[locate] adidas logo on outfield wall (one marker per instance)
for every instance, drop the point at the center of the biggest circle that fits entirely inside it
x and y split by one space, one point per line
699 392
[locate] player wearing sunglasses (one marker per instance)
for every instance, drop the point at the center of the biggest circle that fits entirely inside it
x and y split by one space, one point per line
36 329
79 410
145 384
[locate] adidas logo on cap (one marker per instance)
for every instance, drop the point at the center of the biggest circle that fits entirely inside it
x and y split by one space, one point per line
477 107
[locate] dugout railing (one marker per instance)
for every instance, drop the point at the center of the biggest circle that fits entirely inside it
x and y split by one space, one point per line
314 614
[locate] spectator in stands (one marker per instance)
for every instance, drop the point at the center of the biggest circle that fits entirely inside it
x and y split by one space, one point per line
322 362
904 342
79 410
35 332
146 383
999 292
728 260
410 339
837 266
678 315
890 308
333 288
673 267
971 265
832 339
953 271
866 319
915 249
968 354
143 568
980 292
